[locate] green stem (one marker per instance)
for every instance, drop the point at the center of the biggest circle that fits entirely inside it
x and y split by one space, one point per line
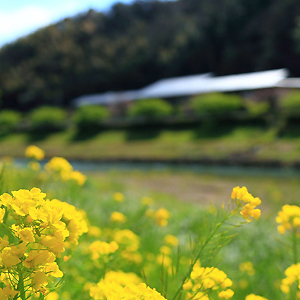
21 286
199 254
295 244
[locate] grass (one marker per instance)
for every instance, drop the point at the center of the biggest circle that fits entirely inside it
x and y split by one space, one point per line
188 197
204 142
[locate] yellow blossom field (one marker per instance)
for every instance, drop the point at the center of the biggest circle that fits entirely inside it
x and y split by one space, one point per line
66 236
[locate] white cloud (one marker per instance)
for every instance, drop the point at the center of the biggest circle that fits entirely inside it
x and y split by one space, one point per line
22 22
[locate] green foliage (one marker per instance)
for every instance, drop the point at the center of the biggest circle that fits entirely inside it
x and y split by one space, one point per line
290 104
256 109
150 109
216 103
8 120
124 53
47 118
90 117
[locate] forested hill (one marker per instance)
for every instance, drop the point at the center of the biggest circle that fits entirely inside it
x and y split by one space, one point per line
134 45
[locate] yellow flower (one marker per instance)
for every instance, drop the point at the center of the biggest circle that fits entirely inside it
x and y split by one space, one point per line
8 258
171 240
78 177
119 197
52 296
202 279
247 267
59 165
226 294
99 248
292 275
165 250
288 217
147 201
118 217
2 214
128 239
34 152
94 231
26 235
162 216
164 260
255 297
249 210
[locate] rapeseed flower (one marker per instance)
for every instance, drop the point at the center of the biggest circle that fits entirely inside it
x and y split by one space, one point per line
288 217
41 229
118 217
247 267
292 275
202 280
34 152
162 215
113 284
78 177
119 197
99 249
171 240
249 210
255 297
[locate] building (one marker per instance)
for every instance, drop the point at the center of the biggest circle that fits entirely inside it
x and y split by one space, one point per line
256 86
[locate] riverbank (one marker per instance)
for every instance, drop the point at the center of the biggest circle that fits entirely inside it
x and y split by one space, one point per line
244 146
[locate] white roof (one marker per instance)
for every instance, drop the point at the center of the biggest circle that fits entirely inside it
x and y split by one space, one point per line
195 84
106 98
175 86
191 85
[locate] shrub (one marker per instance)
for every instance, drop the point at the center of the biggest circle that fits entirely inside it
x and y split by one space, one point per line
47 118
256 109
90 117
216 103
290 104
8 120
150 109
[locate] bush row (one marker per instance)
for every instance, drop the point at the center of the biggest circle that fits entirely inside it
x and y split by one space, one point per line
213 105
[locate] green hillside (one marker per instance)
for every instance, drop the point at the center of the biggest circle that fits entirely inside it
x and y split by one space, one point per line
133 45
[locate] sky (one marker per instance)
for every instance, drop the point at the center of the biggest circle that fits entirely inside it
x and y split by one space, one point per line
21 17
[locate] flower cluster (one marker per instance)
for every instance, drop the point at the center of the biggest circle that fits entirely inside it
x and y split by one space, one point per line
119 197
125 286
247 267
118 217
161 216
255 297
99 249
288 217
61 168
292 274
202 280
129 244
111 283
249 210
34 152
38 232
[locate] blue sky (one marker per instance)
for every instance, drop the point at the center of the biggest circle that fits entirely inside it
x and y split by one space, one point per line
21 17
